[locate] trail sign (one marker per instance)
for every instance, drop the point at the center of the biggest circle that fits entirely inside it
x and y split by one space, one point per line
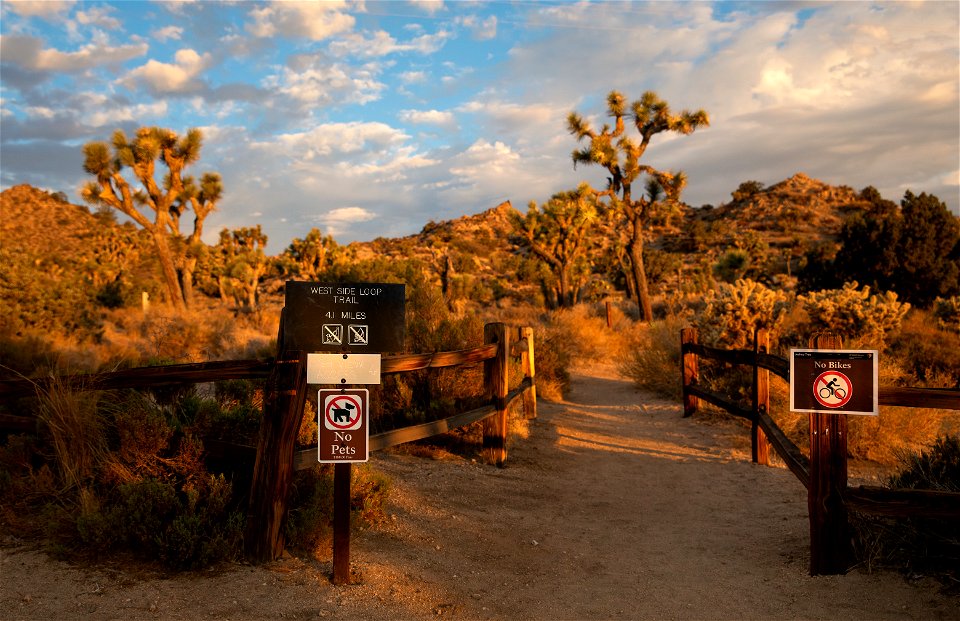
345 318
840 381
343 427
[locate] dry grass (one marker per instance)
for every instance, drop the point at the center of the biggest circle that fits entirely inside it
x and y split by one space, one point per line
75 433
652 357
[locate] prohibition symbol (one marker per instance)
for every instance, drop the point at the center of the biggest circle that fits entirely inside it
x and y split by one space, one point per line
832 389
332 334
342 412
357 334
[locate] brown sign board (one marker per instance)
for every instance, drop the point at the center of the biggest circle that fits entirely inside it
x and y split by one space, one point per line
343 425
836 381
344 317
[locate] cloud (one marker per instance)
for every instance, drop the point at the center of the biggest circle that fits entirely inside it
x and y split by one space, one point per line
28 53
309 20
430 7
98 16
427 117
381 43
342 144
179 77
412 77
45 9
167 33
480 29
338 221
311 80
142 114
327 84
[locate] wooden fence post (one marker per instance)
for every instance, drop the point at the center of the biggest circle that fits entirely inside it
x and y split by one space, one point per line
759 446
496 381
830 547
609 315
689 373
283 400
529 370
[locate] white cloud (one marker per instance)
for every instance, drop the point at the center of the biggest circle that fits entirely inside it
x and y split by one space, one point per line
98 16
42 112
29 53
381 43
323 84
480 29
427 117
335 139
412 77
106 115
45 9
167 33
430 7
484 159
310 20
179 77
338 221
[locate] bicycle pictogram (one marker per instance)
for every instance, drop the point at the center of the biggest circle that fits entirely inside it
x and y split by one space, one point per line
832 389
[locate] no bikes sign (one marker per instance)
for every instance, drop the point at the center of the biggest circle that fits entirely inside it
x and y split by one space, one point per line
833 381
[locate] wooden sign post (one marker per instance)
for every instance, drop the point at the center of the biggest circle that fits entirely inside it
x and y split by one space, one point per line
828 383
353 323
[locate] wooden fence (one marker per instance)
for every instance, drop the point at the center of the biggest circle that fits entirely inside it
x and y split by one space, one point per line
275 458
824 472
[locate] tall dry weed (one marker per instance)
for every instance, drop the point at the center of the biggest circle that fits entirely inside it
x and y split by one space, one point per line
652 357
69 419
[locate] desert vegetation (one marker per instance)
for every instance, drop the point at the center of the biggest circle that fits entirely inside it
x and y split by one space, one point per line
602 274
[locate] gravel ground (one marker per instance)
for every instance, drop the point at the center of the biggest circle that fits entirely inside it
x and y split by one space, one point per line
614 507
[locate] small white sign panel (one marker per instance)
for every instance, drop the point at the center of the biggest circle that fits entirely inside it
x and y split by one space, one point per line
337 369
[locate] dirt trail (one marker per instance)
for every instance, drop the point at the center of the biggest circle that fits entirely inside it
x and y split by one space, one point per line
614 508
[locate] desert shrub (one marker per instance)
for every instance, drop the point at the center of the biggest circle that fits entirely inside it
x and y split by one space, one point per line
928 354
653 358
732 313
185 527
937 468
917 544
114 471
947 313
582 332
854 313
309 523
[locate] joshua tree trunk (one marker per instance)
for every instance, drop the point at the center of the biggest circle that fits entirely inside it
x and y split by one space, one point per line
185 271
640 280
169 271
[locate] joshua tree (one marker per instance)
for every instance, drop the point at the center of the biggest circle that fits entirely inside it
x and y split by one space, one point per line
612 149
243 264
312 255
166 200
559 236
203 200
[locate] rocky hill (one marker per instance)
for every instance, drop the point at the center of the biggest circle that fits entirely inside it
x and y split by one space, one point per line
61 259
798 206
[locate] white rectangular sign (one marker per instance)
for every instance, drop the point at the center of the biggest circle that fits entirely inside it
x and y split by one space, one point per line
338 369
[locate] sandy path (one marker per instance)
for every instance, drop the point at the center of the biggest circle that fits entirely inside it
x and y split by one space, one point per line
614 508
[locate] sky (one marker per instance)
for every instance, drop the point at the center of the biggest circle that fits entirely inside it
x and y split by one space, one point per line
367 119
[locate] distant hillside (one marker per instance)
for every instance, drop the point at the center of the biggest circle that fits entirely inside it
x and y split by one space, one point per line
798 206
63 262
59 258
470 258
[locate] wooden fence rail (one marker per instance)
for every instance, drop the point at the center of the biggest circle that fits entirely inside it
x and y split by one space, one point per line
275 459
824 473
